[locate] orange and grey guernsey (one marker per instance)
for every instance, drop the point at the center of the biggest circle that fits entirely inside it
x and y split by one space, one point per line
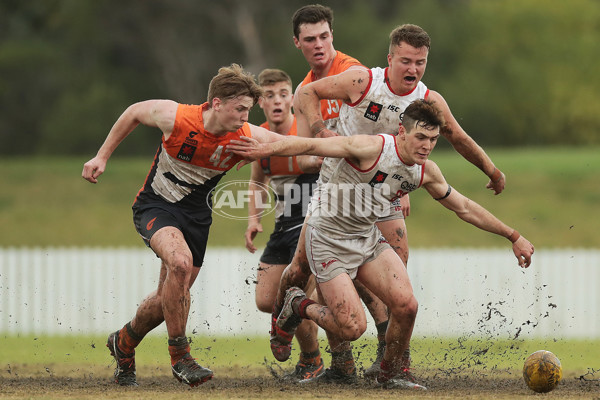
279 166
285 175
190 163
330 109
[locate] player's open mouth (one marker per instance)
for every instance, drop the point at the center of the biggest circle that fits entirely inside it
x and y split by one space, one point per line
319 55
410 79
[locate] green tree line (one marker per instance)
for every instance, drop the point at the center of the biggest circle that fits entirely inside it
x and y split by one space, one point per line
515 72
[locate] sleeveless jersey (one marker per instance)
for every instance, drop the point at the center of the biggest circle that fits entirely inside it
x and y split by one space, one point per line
292 187
330 109
376 111
353 199
190 163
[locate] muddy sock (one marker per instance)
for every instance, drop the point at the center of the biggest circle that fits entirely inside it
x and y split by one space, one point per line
405 360
343 361
178 347
386 371
128 339
313 357
299 307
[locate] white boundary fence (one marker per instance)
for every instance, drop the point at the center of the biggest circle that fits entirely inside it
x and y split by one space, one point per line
474 292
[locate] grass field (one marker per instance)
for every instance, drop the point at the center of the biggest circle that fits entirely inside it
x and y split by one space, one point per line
453 368
552 196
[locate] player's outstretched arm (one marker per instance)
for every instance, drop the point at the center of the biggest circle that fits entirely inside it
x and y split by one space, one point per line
471 212
359 147
154 113
467 147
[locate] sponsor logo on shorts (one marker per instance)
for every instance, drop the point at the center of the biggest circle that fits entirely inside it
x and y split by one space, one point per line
150 224
328 263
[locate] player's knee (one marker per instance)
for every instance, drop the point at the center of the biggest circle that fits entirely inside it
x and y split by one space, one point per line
405 309
180 267
352 328
264 301
353 331
295 275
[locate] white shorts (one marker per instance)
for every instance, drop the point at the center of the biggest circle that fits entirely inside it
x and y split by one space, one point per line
330 257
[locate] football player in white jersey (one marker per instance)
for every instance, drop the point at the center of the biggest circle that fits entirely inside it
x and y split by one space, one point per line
373 101
342 246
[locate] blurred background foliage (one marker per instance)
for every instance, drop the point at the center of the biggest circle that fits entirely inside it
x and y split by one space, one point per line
515 73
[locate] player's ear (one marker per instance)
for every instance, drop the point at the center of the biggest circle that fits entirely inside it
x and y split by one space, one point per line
216 103
402 131
296 42
260 101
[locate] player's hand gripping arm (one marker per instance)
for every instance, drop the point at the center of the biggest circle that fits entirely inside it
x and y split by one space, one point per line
467 147
471 212
347 86
154 113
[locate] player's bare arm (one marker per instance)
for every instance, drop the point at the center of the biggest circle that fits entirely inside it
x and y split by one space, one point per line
348 86
362 150
471 212
467 147
153 113
309 164
256 187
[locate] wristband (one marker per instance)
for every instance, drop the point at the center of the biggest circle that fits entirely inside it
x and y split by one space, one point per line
514 236
496 175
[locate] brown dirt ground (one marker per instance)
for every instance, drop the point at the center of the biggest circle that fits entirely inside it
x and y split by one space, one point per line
31 381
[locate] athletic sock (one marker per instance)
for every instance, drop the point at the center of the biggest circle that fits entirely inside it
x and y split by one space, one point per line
385 373
313 358
299 307
178 347
343 361
128 339
405 360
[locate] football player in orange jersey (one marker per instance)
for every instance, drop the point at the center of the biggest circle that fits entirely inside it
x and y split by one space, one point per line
172 211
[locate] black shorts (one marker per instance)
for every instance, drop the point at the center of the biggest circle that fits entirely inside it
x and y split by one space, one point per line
281 246
150 218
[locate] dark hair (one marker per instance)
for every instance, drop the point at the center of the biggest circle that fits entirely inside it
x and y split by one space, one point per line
271 76
414 35
423 113
311 14
231 82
